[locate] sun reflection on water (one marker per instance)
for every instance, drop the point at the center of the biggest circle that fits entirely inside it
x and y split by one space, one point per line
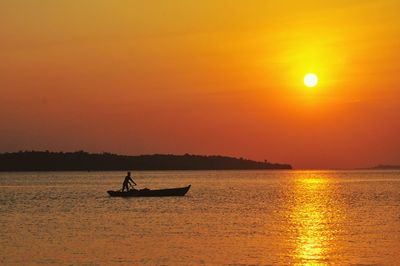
310 216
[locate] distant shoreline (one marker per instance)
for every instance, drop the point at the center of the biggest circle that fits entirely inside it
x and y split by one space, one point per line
382 167
45 161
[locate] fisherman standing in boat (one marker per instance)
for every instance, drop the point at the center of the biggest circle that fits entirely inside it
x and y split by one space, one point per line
126 182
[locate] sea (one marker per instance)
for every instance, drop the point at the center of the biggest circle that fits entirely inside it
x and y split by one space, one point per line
227 218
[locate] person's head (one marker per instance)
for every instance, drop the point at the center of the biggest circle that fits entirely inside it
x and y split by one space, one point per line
129 173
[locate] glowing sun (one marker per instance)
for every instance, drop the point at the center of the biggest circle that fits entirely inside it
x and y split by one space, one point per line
310 80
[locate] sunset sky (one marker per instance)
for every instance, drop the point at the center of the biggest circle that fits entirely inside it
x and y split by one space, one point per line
204 77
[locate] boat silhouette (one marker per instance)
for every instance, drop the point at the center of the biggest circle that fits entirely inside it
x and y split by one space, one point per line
168 192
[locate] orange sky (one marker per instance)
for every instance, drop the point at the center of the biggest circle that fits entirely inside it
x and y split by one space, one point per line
206 77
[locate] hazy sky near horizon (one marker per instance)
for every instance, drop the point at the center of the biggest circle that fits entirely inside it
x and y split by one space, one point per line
204 77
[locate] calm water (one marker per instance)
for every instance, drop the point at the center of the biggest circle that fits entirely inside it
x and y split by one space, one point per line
227 218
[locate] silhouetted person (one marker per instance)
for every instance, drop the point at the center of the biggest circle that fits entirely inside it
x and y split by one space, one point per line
126 182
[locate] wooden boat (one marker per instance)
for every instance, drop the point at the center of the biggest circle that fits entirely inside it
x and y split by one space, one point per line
169 192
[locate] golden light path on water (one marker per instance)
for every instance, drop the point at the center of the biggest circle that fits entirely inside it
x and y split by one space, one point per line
315 220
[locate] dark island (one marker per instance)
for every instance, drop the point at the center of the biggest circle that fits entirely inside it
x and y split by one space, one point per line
83 161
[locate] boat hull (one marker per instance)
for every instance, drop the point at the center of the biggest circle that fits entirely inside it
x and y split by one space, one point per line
170 192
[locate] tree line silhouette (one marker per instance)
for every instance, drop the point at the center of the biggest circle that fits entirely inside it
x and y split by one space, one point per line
84 161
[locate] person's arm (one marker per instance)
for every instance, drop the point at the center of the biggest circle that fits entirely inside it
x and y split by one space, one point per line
133 181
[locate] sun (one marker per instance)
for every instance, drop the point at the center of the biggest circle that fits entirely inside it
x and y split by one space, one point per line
310 80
